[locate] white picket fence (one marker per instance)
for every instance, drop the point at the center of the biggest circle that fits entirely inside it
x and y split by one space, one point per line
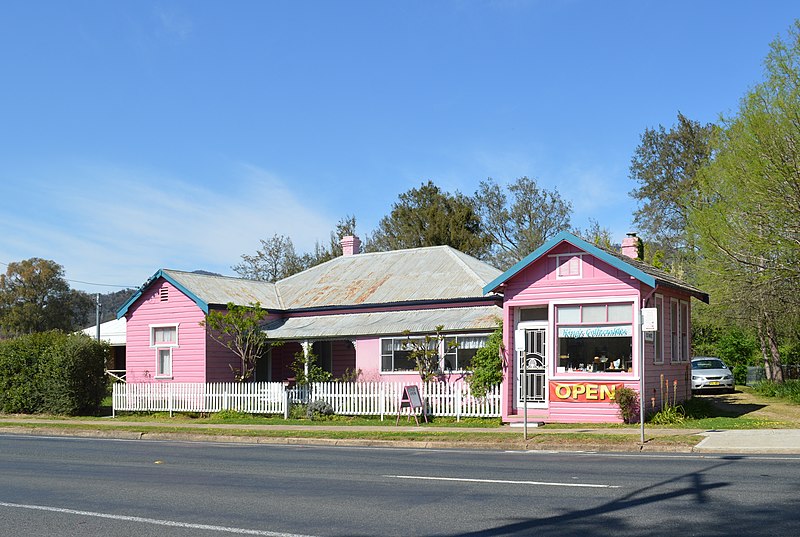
346 398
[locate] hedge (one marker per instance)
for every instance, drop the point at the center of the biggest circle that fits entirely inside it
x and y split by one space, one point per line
52 372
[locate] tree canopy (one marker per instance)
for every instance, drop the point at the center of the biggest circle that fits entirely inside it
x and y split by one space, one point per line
427 216
239 329
275 260
749 228
278 259
519 219
35 297
665 165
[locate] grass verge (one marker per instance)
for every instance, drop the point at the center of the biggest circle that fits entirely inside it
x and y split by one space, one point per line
454 438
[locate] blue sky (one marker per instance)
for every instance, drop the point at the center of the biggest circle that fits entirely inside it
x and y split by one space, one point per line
138 135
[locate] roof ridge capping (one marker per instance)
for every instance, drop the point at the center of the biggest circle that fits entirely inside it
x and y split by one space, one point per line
459 256
640 270
363 255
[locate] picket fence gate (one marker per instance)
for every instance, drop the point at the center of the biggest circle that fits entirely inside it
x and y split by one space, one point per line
346 398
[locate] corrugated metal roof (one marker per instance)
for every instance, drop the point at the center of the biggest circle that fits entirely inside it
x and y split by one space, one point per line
432 273
662 277
213 289
478 318
114 332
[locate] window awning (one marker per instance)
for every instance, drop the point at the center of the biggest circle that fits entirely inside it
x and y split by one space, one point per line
385 323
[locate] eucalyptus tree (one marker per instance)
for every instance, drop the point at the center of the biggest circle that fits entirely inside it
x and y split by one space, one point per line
749 232
665 165
274 260
35 297
519 218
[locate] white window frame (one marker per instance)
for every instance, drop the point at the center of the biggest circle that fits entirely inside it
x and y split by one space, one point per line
160 347
658 340
394 371
684 314
566 259
553 323
445 352
674 331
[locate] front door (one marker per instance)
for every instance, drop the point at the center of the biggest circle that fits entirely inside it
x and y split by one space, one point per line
532 367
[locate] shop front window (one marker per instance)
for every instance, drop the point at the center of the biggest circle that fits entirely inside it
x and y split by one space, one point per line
595 338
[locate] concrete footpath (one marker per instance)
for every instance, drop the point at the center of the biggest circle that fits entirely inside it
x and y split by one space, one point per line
786 441
746 441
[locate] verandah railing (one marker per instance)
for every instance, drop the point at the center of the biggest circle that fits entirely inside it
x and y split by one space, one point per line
346 398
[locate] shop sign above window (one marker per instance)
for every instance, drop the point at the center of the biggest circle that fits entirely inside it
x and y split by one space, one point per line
595 331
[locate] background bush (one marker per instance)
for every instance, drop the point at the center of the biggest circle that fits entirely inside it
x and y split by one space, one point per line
789 389
52 372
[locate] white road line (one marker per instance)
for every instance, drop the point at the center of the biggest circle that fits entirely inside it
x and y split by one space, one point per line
154 521
504 482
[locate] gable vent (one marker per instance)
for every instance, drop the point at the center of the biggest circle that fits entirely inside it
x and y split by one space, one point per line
164 294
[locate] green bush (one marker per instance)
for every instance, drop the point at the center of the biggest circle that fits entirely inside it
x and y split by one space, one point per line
73 377
487 365
740 374
298 411
52 372
669 415
788 390
628 401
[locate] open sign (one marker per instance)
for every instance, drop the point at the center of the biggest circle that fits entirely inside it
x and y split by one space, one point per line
583 392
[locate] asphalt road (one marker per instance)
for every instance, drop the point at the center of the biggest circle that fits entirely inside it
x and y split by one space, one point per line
84 487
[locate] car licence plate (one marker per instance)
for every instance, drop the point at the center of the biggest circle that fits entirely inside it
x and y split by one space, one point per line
714 383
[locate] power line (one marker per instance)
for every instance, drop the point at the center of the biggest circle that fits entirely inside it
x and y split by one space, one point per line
102 284
92 283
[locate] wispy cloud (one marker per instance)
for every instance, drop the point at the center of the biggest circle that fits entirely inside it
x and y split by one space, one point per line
111 225
174 22
597 193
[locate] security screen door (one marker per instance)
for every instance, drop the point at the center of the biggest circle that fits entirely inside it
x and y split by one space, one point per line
533 382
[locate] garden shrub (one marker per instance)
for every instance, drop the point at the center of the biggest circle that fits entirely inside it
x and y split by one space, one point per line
487 365
628 401
52 372
297 411
789 389
669 415
73 376
319 409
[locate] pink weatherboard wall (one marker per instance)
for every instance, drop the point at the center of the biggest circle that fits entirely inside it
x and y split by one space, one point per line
538 286
188 357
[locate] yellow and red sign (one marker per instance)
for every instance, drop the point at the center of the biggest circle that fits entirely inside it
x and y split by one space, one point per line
584 392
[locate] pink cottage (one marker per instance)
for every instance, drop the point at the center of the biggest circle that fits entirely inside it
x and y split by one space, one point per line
570 311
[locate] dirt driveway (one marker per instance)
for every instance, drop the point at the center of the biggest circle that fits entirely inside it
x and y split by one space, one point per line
744 402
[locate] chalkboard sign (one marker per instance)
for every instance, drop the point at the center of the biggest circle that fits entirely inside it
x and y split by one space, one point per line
412 400
412 392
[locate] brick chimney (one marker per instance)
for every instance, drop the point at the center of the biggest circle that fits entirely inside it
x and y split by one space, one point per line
630 246
351 245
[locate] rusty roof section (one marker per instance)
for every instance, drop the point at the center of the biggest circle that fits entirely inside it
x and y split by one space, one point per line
418 274
421 321
219 290
435 273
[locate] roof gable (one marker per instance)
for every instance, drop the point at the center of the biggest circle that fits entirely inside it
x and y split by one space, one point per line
646 274
206 290
435 273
